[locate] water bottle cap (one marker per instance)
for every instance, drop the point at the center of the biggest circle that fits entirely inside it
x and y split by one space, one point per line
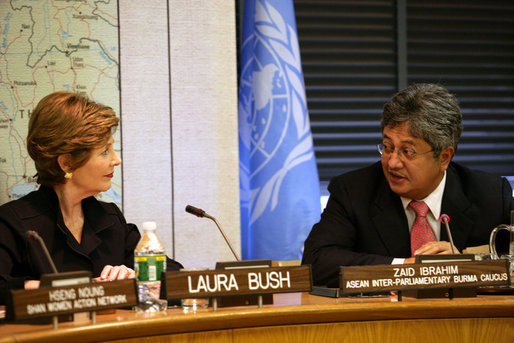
149 226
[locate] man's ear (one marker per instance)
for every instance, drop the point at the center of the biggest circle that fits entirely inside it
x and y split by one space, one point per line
64 162
446 156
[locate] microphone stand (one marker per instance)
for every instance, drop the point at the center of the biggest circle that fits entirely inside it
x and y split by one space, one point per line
201 213
445 219
224 236
33 235
241 264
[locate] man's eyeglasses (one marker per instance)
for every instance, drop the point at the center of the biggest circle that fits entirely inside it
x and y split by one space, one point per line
387 150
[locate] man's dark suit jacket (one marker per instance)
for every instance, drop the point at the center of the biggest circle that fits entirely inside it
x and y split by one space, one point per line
106 239
364 222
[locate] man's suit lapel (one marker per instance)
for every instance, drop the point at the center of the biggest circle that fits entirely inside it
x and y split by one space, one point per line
459 208
390 221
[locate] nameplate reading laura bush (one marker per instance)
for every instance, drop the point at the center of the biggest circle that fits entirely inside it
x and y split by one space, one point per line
53 301
363 279
215 283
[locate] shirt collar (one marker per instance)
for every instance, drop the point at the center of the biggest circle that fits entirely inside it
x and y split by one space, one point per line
433 200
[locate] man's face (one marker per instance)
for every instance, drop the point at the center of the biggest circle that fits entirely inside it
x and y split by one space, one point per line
415 177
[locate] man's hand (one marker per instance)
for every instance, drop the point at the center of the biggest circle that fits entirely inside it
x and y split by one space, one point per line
432 248
409 260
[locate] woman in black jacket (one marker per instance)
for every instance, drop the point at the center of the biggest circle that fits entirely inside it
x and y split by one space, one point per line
70 139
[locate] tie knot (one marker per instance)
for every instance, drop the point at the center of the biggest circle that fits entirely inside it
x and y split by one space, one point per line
420 207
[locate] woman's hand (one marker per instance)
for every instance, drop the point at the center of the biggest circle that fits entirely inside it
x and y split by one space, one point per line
111 273
31 284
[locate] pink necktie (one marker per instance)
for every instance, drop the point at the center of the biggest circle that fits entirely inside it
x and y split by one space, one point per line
421 232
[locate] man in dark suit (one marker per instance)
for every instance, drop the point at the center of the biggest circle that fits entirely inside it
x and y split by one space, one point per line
373 216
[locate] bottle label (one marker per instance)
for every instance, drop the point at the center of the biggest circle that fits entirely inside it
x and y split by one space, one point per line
149 267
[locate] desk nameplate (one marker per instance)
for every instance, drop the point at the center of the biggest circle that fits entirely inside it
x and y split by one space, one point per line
54 301
216 283
363 279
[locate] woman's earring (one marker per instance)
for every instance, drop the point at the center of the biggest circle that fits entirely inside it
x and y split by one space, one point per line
68 175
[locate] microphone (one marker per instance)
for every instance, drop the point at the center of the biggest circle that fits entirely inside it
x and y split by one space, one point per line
34 236
196 211
201 213
445 219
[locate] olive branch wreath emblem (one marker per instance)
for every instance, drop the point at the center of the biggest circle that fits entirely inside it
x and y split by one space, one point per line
284 41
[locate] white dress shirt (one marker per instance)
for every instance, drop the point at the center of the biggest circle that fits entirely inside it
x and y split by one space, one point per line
433 201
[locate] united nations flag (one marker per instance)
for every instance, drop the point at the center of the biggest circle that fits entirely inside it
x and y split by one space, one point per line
280 194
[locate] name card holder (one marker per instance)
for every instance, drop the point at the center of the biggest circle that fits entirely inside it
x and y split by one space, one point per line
421 276
62 300
237 282
451 293
67 279
243 300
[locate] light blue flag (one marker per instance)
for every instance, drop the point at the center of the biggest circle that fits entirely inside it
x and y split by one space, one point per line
280 193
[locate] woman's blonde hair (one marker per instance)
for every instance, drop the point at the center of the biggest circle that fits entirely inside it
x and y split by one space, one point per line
66 123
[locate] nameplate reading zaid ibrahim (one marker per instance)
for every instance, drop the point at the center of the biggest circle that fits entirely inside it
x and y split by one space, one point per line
361 279
215 283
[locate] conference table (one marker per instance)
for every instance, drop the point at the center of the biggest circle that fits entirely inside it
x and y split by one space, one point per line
294 317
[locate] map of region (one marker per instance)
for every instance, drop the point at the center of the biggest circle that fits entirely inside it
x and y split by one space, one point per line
48 46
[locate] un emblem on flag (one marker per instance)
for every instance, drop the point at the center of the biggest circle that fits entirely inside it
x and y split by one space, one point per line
273 122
